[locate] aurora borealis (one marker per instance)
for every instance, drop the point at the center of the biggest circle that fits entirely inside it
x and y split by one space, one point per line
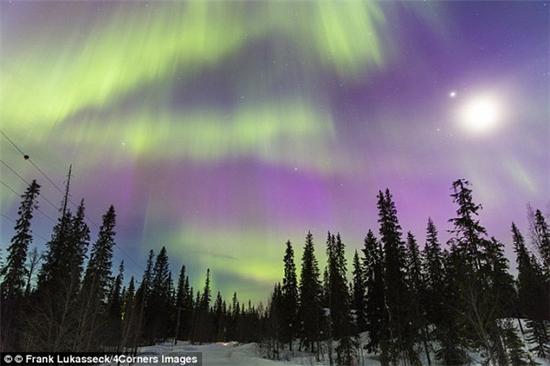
222 129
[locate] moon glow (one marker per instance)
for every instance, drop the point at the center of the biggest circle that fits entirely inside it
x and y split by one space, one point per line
481 114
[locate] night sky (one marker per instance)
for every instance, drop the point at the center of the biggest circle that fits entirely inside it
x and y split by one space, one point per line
222 129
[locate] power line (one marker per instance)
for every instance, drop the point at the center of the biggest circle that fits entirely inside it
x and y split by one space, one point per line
17 194
13 221
51 181
27 157
47 177
27 183
12 143
41 171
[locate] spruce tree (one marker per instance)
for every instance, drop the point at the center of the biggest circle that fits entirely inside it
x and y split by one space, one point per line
481 272
501 283
500 297
183 305
515 347
542 233
129 316
33 262
55 267
449 327
98 271
79 241
468 234
310 302
187 311
157 317
96 283
203 321
114 309
434 275
358 294
206 292
59 278
417 286
376 314
533 298
401 340
276 319
218 313
14 273
339 301
290 297
142 297
537 337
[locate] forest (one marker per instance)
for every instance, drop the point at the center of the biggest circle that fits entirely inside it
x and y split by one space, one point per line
415 304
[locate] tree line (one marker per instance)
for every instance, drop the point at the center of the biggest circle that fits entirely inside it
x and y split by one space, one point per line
69 299
417 304
406 304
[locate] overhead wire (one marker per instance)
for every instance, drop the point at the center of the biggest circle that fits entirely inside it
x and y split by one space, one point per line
37 209
52 182
27 183
13 221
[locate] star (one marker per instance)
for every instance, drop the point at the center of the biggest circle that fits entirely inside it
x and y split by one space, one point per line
452 94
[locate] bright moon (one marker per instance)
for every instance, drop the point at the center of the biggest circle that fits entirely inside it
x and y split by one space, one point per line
481 114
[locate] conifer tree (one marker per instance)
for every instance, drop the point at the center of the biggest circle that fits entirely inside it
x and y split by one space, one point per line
55 267
533 299
376 313
537 336
60 275
143 294
468 234
339 301
14 273
219 314
157 317
33 262
542 233
79 241
202 317
401 341
515 347
434 275
129 316
289 291
184 305
416 285
276 319
501 283
98 271
500 296
114 308
95 286
449 331
63 284
480 265
358 297
310 308
206 292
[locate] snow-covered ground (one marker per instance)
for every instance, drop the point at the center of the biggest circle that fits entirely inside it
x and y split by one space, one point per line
234 354
218 354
